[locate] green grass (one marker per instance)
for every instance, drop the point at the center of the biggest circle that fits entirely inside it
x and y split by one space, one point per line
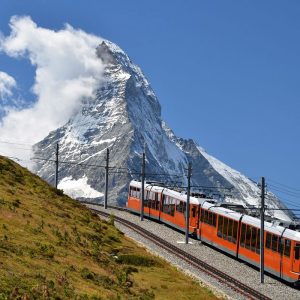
52 247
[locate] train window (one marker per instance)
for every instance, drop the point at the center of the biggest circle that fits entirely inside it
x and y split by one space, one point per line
243 234
253 238
137 193
220 226
274 242
154 204
133 191
166 205
234 231
287 248
281 245
154 196
184 207
172 206
209 218
214 220
225 228
248 236
230 225
258 241
169 206
179 206
268 240
157 204
297 251
162 203
201 215
146 199
194 211
205 216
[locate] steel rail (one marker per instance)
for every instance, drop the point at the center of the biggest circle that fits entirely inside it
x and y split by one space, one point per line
222 277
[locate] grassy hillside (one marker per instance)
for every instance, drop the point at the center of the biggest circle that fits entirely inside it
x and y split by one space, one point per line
52 247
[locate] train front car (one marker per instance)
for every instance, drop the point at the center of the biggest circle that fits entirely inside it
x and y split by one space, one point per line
165 205
134 194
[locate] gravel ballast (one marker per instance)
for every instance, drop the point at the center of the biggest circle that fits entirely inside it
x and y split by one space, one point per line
272 288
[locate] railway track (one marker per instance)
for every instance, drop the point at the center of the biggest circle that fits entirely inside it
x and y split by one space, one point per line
195 262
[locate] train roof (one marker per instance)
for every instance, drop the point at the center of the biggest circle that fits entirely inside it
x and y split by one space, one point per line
273 228
214 207
168 192
181 197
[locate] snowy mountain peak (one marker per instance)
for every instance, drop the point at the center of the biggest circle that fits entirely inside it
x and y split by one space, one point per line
125 116
104 52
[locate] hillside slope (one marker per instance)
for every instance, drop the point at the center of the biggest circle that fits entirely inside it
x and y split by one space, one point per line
52 247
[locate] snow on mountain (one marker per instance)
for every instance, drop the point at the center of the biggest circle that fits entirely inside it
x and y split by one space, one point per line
125 116
245 189
78 188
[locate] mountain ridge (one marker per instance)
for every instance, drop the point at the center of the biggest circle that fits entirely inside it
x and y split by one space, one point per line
125 116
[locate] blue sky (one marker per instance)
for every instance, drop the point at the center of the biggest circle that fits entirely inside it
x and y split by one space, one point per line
226 72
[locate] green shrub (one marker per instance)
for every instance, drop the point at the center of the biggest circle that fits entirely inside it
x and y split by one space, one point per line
136 260
47 250
98 279
87 274
111 220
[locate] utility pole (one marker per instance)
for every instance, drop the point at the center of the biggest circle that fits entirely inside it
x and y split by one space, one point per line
143 186
106 178
262 230
56 165
187 218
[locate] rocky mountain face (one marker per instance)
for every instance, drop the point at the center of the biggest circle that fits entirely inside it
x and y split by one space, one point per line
125 116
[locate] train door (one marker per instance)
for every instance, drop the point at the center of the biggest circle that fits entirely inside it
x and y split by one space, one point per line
161 205
296 258
193 216
147 202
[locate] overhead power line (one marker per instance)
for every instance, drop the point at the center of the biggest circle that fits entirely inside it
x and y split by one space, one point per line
284 185
14 143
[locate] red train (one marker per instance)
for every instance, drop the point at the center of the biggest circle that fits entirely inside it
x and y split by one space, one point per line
225 229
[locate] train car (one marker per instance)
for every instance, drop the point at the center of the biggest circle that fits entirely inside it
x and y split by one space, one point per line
164 205
219 227
223 228
282 248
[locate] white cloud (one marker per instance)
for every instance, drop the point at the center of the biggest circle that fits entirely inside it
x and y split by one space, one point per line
7 83
67 70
